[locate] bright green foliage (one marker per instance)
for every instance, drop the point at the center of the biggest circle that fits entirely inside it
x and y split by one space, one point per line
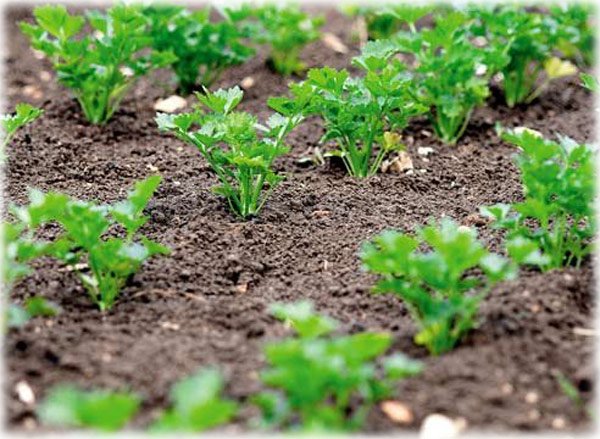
204 48
326 382
286 30
438 285
18 248
384 21
557 215
67 406
35 306
100 66
528 39
10 123
451 74
102 263
590 82
197 404
244 166
575 35
362 115
40 306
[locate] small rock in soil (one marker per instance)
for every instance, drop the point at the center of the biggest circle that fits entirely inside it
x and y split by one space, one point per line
397 412
334 43
25 393
170 104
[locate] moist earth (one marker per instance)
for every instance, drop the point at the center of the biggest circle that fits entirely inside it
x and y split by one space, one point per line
207 303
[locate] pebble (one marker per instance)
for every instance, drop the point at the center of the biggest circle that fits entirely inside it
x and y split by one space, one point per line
531 397
169 325
559 423
397 411
45 76
438 426
424 150
25 393
170 104
247 82
33 92
334 43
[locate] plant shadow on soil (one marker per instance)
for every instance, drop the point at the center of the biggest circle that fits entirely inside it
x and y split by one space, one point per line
207 303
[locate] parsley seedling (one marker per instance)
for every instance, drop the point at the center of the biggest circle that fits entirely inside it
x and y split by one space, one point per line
10 123
528 39
230 142
557 214
450 74
101 65
197 405
326 382
575 34
363 115
286 30
438 285
103 264
203 48
68 406
19 247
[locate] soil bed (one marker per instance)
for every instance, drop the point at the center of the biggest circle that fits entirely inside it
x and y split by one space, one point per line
207 303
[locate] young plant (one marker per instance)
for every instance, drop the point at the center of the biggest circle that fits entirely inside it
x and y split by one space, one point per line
18 248
557 215
244 166
68 406
203 48
362 115
451 74
575 33
529 40
101 65
385 21
102 263
590 82
438 285
197 405
326 382
286 30
10 123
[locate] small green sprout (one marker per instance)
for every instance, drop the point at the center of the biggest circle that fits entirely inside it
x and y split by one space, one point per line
439 286
557 215
244 165
197 405
451 74
528 39
203 48
325 382
286 30
68 406
40 306
103 264
10 123
590 82
19 247
101 65
575 32
364 116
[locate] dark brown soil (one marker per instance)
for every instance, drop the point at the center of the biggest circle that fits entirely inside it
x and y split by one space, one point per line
207 303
